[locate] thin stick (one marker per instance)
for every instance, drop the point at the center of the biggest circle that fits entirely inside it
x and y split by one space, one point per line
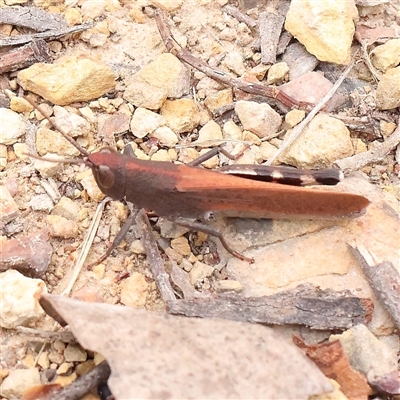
154 258
220 76
42 335
383 278
375 155
86 245
299 128
236 13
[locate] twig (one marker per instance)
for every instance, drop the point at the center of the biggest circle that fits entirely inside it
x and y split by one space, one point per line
48 35
375 155
306 305
220 76
383 278
236 13
46 336
25 56
154 258
364 42
300 127
32 18
86 246
84 384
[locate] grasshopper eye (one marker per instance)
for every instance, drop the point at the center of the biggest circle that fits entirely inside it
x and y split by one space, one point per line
106 177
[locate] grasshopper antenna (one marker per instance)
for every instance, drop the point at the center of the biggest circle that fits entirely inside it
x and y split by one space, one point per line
56 127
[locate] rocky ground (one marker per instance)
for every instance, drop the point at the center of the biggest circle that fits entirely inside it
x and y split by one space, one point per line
116 80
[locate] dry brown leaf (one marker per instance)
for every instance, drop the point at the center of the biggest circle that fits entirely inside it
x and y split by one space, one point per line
333 362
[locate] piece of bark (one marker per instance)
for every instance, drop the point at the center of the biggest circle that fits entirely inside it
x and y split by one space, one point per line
306 305
30 255
270 25
375 155
48 35
32 18
271 92
154 258
41 335
283 43
384 280
84 384
25 56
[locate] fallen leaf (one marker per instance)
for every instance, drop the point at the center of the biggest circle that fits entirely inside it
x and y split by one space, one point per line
333 362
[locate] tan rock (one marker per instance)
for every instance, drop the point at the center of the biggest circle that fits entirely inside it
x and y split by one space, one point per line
258 118
48 141
65 380
199 272
218 99
278 73
323 141
167 5
19 296
62 227
49 169
293 117
228 285
387 55
388 91
366 353
93 9
8 207
325 28
73 16
209 134
134 290
75 79
18 381
142 94
145 121
72 124
231 131
74 353
166 73
20 105
87 180
166 136
234 61
181 115
181 245
12 126
66 208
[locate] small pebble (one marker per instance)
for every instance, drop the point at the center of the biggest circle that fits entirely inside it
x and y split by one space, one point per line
74 353
199 272
62 227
